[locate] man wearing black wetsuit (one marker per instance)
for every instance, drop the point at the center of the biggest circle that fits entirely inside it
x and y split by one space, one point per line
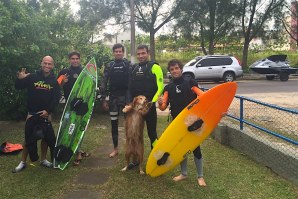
115 85
66 79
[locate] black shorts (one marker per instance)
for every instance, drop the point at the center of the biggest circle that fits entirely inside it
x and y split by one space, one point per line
116 102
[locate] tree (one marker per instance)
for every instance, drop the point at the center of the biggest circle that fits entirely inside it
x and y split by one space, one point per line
151 15
290 24
30 30
212 20
254 13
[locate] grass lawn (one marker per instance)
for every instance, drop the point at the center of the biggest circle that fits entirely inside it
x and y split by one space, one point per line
228 173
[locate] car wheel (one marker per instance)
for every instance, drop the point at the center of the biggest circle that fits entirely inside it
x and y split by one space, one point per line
188 76
270 77
284 77
228 77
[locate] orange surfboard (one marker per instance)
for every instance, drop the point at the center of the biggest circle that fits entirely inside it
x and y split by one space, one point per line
190 128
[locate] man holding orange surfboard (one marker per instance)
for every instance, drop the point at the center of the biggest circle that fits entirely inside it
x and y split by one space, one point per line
179 94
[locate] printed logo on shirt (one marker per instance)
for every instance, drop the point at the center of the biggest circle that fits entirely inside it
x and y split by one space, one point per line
43 86
75 76
177 89
140 71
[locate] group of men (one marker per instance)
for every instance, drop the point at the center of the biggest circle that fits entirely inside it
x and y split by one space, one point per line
122 81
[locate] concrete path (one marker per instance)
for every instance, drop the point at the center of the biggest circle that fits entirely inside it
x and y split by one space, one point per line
95 173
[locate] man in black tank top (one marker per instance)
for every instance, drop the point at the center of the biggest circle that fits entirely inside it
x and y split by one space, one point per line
115 85
147 80
180 93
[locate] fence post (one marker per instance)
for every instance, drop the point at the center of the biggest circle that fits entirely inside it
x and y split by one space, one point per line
241 113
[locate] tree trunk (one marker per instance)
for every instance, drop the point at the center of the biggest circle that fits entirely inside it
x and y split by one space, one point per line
245 53
152 46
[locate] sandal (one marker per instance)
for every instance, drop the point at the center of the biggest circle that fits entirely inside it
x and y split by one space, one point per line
77 162
85 154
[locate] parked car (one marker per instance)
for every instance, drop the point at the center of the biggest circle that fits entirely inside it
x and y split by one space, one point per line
274 66
213 67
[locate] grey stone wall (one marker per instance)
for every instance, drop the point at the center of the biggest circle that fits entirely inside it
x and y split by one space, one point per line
281 158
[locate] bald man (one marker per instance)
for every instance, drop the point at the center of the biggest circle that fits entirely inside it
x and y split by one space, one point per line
43 96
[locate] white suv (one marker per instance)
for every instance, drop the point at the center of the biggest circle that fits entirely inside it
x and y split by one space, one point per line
213 67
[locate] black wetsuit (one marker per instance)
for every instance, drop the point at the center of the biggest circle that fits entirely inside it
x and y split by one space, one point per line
180 95
115 84
72 73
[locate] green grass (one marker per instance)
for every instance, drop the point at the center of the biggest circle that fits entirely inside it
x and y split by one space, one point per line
228 173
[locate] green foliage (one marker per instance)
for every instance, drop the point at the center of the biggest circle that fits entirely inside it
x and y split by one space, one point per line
29 30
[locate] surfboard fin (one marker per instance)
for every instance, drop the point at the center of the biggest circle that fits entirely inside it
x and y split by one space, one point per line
79 106
62 153
163 159
196 125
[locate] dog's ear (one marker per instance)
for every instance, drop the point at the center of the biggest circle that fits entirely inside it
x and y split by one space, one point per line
127 108
135 100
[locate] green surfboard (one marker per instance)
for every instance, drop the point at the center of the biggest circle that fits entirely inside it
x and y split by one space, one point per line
76 115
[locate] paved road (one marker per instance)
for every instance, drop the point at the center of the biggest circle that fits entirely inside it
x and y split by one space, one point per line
261 86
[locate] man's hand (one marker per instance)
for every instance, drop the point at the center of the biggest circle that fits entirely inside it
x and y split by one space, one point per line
160 100
22 74
65 78
43 114
62 79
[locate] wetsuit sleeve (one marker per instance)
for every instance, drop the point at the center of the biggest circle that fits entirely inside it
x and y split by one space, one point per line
128 97
197 91
156 70
165 100
60 79
56 94
105 79
22 83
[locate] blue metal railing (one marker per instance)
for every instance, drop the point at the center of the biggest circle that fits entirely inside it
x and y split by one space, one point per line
242 120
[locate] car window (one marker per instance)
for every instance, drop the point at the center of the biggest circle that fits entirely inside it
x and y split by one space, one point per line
224 61
216 61
192 62
207 62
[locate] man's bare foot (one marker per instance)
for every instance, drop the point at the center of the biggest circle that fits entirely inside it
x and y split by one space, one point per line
124 169
79 156
142 172
114 153
201 182
179 178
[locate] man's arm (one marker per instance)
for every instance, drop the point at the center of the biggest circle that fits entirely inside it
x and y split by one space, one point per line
156 70
56 95
163 101
197 91
105 79
22 80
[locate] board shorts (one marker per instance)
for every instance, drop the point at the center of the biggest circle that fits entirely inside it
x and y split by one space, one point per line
115 102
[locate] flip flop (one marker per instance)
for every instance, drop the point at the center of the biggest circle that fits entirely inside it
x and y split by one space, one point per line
77 162
85 154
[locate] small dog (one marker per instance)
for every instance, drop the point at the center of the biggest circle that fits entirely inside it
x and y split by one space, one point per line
134 127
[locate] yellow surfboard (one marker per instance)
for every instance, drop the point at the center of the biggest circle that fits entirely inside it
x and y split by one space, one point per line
190 128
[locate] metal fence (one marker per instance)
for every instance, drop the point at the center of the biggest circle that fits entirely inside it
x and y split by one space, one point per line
270 125
276 121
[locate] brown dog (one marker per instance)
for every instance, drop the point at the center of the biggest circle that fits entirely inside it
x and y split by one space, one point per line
134 127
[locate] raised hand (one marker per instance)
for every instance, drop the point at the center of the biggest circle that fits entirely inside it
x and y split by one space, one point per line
22 74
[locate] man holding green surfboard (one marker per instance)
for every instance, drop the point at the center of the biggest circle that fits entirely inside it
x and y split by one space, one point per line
66 79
